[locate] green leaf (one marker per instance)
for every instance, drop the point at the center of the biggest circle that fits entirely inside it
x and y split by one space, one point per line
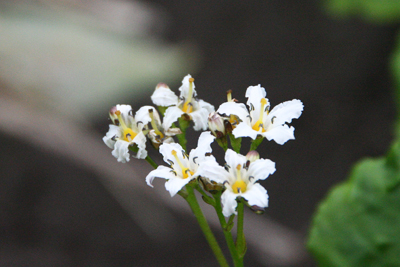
162 110
359 222
223 142
236 143
256 142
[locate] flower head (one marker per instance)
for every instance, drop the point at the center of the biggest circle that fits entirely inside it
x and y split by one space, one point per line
239 177
187 103
260 120
232 112
183 168
126 131
158 133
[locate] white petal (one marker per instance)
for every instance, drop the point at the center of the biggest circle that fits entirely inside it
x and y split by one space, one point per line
113 131
203 104
238 109
172 132
142 115
234 159
205 140
126 114
161 172
124 109
171 115
244 130
163 96
280 134
184 89
256 195
140 140
229 203
200 119
261 169
121 151
210 169
168 140
203 147
255 93
176 184
286 111
166 149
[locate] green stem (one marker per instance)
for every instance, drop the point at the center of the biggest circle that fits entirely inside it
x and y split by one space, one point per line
151 162
183 125
226 227
206 197
212 242
240 240
256 142
230 221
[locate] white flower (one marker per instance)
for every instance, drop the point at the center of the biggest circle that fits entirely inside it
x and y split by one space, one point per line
260 121
187 103
158 133
127 131
239 177
183 168
233 112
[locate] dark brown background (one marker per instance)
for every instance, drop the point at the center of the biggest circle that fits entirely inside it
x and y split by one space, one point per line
339 69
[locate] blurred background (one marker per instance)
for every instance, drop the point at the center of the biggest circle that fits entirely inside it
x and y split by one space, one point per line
65 201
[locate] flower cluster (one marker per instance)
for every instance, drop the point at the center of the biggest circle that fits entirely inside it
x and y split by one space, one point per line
237 180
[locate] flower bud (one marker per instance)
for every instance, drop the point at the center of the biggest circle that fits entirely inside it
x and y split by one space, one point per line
257 210
210 186
252 156
216 124
113 116
163 85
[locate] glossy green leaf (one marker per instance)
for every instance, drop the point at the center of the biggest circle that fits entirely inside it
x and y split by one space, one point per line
359 222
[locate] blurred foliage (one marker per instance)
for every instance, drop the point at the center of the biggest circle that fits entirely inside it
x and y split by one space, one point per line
375 11
358 223
78 63
395 67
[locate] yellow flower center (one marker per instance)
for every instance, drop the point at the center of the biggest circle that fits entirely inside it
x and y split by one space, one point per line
239 186
259 123
185 171
127 133
154 124
188 106
234 120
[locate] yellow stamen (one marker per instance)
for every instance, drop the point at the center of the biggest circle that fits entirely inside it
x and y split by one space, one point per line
229 95
259 123
154 125
185 171
239 186
187 106
234 120
127 133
